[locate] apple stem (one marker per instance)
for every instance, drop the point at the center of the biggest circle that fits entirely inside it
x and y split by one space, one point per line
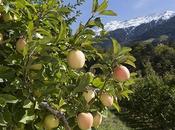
58 114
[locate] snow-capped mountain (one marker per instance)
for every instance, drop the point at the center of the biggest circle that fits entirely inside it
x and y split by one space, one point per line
142 28
113 25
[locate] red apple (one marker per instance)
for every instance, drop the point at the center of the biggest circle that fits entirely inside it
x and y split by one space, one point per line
106 99
121 73
20 45
88 95
76 59
97 120
50 122
85 121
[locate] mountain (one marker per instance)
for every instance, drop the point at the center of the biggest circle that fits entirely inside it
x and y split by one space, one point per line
143 28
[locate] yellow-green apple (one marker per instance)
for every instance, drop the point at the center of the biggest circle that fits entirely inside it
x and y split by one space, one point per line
85 121
37 93
7 17
1 38
76 59
50 122
88 95
106 99
15 17
20 45
1 2
121 73
36 67
97 120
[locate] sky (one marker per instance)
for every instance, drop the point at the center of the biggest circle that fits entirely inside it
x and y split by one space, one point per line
126 9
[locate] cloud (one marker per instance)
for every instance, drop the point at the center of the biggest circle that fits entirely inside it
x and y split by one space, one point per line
141 3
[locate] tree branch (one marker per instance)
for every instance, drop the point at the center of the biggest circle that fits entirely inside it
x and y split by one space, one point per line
58 114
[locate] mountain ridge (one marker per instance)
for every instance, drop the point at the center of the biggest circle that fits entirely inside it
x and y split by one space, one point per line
113 25
143 28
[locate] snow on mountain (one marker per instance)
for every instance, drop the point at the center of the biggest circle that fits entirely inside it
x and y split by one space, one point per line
113 25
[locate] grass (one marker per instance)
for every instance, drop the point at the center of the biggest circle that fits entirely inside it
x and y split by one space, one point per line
113 123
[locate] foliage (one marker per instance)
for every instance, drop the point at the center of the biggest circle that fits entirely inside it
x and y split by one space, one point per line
39 71
112 122
152 105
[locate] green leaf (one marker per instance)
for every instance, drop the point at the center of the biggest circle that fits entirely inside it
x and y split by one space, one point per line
44 32
125 93
125 50
64 10
102 6
27 118
62 32
97 66
98 83
80 28
29 14
116 106
6 72
131 58
6 8
2 121
129 62
20 4
108 12
95 5
2 102
25 51
98 22
30 29
116 46
84 82
61 103
27 104
9 98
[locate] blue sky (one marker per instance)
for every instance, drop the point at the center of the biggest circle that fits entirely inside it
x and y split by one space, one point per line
126 9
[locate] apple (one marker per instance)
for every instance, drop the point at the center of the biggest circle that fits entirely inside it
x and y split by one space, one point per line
20 45
1 2
97 120
51 122
36 67
85 121
121 73
106 99
7 17
76 59
1 38
88 95
15 17
37 93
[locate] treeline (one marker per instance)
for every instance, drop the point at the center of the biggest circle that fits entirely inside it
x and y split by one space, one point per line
152 105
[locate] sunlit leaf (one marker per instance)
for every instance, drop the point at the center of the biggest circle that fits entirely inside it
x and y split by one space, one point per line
95 5
108 12
102 6
9 98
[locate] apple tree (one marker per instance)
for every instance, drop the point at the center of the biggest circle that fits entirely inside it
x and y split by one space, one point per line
47 80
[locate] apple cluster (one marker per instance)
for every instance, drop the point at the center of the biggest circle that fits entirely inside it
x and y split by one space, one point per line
76 60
